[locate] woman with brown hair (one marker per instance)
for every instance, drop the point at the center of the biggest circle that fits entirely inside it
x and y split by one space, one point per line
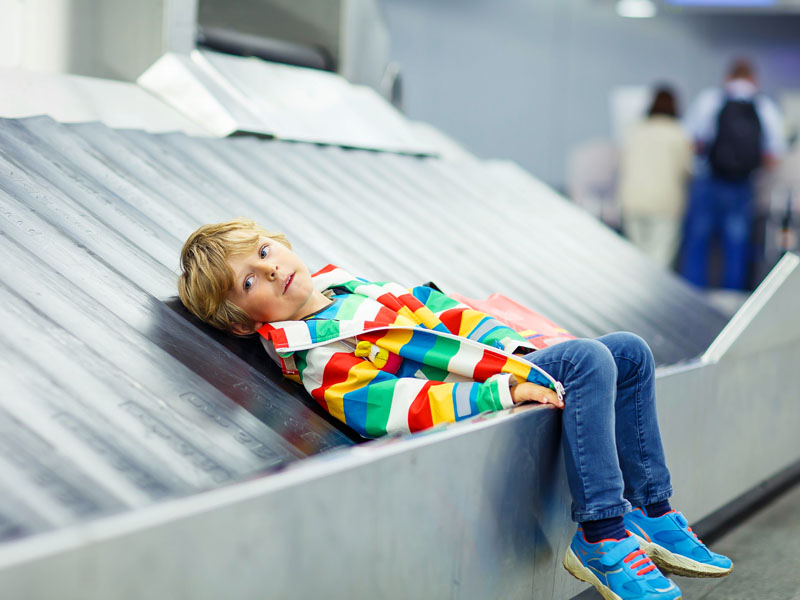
655 164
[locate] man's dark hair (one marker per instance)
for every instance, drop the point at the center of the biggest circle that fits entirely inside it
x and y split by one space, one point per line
741 68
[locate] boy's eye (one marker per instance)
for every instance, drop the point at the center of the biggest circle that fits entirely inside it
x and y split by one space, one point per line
264 252
248 283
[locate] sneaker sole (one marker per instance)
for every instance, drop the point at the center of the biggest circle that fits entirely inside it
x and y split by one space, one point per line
680 565
575 568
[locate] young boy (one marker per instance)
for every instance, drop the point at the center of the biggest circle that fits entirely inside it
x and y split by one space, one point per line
385 359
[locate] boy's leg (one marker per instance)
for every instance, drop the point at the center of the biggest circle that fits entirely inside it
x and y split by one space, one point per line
616 566
663 532
587 370
638 439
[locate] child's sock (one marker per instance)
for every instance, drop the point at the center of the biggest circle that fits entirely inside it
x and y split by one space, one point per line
657 509
612 528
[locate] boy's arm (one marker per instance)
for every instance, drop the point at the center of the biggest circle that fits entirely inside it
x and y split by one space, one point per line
374 402
473 324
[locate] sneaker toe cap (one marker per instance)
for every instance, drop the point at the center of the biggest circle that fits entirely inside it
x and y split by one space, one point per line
718 560
703 555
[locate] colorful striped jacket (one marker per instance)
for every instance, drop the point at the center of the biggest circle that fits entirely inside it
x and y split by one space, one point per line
396 360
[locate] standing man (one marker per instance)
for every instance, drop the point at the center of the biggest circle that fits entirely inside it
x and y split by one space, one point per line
736 130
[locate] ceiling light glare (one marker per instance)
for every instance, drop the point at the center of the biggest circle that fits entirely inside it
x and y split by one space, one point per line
636 9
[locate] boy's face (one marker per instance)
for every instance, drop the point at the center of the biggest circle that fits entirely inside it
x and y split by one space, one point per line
270 283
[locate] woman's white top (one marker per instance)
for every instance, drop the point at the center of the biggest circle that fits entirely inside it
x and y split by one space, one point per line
655 163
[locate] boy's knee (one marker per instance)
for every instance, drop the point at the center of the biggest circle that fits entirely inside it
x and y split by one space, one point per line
633 340
591 354
625 343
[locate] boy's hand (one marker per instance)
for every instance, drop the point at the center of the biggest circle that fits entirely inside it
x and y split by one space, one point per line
530 392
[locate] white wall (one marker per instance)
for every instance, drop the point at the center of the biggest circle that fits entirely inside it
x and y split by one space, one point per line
529 79
116 39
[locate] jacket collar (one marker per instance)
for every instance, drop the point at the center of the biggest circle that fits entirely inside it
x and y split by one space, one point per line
290 336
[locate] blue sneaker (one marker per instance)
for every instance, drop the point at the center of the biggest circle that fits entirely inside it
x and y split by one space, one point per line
673 546
619 569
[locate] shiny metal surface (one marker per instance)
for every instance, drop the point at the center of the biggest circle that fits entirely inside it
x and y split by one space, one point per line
230 94
483 518
749 331
730 421
473 510
123 422
229 41
106 378
351 34
379 197
75 99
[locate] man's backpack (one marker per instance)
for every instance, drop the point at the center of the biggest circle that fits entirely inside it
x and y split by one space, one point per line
736 150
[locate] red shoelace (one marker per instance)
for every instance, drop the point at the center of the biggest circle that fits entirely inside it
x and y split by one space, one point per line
645 560
695 535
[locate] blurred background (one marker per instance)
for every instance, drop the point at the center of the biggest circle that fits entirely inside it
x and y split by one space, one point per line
554 85
533 80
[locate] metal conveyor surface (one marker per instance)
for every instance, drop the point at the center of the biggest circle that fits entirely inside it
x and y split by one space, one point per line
113 399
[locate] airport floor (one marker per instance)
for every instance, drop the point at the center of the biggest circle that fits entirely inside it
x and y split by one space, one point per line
764 547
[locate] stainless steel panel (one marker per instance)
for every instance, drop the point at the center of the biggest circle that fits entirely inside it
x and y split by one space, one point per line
350 36
74 99
229 94
120 386
485 518
127 427
750 330
731 420
473 510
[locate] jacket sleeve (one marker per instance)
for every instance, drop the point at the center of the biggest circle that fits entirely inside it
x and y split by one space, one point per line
374 402
469 323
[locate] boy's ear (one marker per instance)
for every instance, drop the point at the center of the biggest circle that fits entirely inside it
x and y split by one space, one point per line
240 329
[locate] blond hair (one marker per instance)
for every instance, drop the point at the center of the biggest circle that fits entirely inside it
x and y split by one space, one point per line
206 276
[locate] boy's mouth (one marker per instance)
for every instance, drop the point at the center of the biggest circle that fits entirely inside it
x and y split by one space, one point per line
288 282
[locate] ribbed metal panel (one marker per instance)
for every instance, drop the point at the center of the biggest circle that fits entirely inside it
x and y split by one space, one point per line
228 94
112 399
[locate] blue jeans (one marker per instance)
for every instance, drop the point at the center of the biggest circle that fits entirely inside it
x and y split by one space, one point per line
612 445
724 207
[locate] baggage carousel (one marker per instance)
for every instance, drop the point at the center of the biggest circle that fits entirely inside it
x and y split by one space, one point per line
145 455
